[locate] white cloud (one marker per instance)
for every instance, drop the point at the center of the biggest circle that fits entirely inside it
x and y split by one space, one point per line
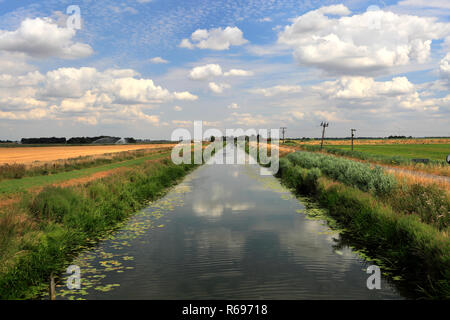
158 60
363 88
444 67
248 120
440 4
298 115
42 38
280 89
185 95
14 63
87 120
218 88
339 10
182 123
84 95
205 72
70 82
177 108
238 73
361 43
265 19
233 106
215 39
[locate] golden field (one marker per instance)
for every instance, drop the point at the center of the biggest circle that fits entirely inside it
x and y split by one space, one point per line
28 155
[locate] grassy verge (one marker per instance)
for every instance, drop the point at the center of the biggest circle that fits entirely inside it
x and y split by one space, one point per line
439 167
18 171
40 235
405 227
17 185
436 152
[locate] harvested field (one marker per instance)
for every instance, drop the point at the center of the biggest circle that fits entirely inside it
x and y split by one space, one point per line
28 155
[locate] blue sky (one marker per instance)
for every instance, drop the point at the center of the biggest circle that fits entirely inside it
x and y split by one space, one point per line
144 68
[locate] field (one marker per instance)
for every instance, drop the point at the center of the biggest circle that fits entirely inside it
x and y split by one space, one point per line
378 141
28 155
428 151
46 215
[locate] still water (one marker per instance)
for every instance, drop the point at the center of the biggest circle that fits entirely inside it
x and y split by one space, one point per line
225 232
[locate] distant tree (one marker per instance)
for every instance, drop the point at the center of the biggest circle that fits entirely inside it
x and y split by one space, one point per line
212 139
52 140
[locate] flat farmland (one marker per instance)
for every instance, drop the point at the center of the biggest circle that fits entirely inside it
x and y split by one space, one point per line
28 155
429 151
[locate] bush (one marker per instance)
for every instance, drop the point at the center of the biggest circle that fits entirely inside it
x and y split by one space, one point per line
12 171
352 173
428 202
54 203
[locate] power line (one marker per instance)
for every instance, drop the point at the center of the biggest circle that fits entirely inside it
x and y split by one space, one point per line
283 130
353 134
324 125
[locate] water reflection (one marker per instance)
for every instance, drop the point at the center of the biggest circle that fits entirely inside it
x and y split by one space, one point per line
227 232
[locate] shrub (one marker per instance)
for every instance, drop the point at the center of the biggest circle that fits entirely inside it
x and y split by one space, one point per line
352 173
430 203
54 203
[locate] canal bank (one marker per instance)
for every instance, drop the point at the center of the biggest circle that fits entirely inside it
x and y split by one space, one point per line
225 232
48 228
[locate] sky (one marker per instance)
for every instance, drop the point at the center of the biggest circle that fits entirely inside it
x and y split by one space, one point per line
143 68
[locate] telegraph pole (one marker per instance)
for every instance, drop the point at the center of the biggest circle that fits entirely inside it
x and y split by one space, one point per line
324 125
283 130
353 134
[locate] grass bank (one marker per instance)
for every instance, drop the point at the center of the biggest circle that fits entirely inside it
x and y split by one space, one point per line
405 227
40 235
374 153
18 185
18 170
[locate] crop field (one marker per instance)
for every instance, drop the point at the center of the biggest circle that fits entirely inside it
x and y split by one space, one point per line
28 155
428 151
347 142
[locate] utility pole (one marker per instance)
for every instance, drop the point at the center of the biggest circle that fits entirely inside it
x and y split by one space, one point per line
283 130
353 134
324 125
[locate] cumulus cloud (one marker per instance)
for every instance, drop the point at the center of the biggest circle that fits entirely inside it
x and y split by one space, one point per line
218 88
185 95
158 60
280 89
248 120
214 39
43 38
444 67
361 43
210 71
205 72
238 72
86 94
233 106
364 87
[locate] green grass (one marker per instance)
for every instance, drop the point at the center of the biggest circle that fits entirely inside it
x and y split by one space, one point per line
411 151
412 249
405 229
40 235
19 185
